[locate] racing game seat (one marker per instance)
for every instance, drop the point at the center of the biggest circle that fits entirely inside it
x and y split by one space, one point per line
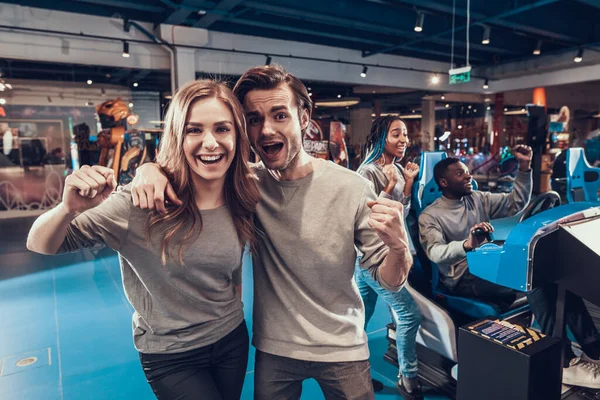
425 192
583 180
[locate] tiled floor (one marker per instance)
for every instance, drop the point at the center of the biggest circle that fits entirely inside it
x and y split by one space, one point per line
71 313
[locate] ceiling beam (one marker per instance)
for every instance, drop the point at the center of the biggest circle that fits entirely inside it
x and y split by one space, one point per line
591 3
462 12
354 24
183 11
138 6
512 12
223 8
355 39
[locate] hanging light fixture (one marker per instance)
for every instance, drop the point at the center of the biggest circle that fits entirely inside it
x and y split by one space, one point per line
363 74
579 57
268 62
126 49
419 23
486 35
486 84
538 48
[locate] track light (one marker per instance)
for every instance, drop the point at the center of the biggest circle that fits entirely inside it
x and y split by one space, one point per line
364 71
486 35
435 80
126 49
419 23
135 84
89 82
268 62
579 57
538 48
486 84
443 97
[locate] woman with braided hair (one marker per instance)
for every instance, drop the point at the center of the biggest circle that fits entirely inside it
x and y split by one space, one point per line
386 145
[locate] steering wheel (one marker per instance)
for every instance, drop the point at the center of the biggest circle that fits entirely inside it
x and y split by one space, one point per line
543 202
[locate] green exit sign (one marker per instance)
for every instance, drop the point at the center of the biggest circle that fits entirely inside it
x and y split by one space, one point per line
460 75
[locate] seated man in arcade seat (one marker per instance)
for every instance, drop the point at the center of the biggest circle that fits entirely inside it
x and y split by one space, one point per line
446 234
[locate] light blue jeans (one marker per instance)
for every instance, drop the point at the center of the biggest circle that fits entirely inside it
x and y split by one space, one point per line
405 312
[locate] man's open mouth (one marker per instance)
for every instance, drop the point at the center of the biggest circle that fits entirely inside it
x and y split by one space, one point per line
272 148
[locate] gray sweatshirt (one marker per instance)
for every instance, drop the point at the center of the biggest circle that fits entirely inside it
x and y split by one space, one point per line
306 303
177 307
374 173
445 224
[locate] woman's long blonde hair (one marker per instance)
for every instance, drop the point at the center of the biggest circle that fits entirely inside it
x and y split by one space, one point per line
241 192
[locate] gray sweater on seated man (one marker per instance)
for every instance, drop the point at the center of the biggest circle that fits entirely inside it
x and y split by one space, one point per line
445 224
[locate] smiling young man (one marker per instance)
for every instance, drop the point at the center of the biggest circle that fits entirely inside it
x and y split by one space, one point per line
308 315
446 234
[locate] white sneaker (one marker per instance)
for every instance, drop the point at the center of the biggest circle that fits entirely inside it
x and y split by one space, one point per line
582 373
584 357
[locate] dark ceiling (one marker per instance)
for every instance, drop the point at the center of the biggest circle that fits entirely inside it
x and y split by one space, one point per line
515 27
377 26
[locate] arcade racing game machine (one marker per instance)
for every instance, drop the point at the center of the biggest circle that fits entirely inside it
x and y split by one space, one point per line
517 262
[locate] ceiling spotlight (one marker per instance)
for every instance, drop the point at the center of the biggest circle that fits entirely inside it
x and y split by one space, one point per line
505 109
486 84
135 84
419 23
339 96
310 94
126 49
130 105
459 127
447 105
268 62
486 35
363 74
201 12
89 82
579 57
435 80
413 111
489 108
443 97
538 48
469 106
2 101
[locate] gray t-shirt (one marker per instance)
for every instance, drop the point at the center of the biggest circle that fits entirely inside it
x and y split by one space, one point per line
306 303
445 224
177 307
